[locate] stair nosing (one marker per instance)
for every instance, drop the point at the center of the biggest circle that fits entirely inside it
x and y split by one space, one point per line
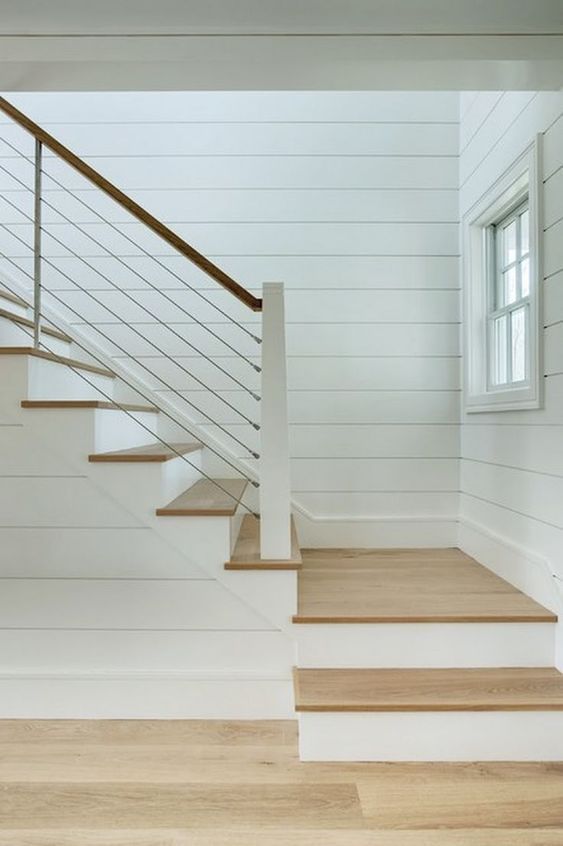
57 359
166 511
129 456
87 404
25 321
13 298
309 619
256 563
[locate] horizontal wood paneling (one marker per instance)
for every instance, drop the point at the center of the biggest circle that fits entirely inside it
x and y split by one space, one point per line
246 139
512 462
140 651
412 172
361 506
297 272
350 199
63 501
129 604
231 206
427 239
355 475
167 106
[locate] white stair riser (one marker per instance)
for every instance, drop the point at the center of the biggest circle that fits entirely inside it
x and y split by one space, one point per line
142 487
50 380
274 593
15 335
425 645
80 432
15 308
432 736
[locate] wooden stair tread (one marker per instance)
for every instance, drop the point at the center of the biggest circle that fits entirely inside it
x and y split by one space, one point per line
13 298
488 689
59 359
246 554
24 321
62 404
407 586
206 499
150 453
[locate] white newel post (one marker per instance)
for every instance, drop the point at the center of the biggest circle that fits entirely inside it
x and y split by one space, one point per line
275 490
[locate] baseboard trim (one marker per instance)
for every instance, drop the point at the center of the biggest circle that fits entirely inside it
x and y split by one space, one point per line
153 695
524 568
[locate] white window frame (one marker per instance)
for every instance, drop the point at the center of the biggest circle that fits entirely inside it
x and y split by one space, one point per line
520 184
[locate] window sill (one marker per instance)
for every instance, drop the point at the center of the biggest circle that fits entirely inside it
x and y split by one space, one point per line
519 399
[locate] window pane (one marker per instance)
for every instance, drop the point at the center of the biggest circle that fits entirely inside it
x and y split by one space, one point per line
509 286
525 233
525 277
518 326
500 373
509 243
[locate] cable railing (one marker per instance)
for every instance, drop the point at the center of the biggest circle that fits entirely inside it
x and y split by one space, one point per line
122 407
56 238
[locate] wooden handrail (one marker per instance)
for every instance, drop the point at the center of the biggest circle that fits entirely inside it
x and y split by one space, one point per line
131 206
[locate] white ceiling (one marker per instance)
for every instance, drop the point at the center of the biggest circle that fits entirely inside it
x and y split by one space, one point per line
282 16
281 44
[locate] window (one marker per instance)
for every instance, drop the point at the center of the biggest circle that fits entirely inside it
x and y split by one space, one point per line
509 295
501 272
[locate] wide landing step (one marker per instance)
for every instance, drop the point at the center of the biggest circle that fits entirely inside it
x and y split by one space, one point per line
207 498
148 453
407 586
246 554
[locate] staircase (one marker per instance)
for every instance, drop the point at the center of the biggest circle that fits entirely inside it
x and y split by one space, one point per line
400 654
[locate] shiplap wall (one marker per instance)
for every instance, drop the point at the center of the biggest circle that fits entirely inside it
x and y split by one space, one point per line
348 198
512 462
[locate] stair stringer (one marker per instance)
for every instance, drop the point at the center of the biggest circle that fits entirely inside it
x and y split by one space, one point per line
266 689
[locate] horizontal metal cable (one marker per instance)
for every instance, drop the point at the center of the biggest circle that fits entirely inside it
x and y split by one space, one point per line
149 399
144 366
135 244
131 326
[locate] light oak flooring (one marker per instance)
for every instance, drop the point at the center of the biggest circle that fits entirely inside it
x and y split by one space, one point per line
168 783
407 585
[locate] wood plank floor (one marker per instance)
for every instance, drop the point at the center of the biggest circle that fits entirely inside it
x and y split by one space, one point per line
170 783
406 585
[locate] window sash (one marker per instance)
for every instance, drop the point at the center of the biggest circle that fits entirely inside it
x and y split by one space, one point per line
498 308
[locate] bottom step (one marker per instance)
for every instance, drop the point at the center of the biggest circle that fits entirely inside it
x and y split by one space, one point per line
430 715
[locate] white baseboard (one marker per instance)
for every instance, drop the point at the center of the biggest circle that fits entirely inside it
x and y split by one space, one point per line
158 696
524 568
379 532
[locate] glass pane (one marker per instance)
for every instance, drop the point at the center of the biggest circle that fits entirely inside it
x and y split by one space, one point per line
509 243
525 277
500 373
509 286
525 233
518 327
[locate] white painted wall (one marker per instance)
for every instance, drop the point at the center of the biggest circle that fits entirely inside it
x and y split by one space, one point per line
512 462
351 200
